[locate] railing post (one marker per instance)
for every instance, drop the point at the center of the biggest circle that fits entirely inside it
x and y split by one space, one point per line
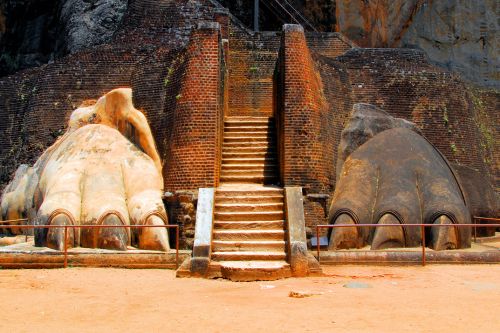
317 242
422 230
176 247
475 232
65 246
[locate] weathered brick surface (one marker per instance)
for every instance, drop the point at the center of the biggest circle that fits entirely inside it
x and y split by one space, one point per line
195 139
487 118
405 84
251 63
328 44
301 111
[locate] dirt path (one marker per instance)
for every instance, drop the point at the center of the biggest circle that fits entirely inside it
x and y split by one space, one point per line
398 299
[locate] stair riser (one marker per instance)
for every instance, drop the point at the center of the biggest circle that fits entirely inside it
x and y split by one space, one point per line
249 167
263 134
248 208
227 256
245 144
249 199
235 246
248 173
260 139
249 123
229 194
257 216
248 180
249 236
250 149
229 128
259 154
249 225
262 160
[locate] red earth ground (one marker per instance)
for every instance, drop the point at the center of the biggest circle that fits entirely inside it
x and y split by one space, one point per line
435 298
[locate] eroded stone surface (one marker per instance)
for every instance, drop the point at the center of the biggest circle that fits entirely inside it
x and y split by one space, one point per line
459 35
92 175
395 177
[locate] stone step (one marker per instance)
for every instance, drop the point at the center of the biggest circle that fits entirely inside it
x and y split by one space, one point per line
243 235
248 255
236 246
249 199
248 134
253 270
250 172
249 154
249 166
253 207
232 191
248 120
248 160
250 179
244 127
246 225
248 138
243 144
248 216
248 149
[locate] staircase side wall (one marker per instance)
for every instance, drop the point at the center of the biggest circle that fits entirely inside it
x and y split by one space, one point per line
194 145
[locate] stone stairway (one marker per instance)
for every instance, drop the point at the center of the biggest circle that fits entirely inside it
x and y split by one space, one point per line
249 228
248 152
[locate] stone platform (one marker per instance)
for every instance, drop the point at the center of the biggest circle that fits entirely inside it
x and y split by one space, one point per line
26 255
484 251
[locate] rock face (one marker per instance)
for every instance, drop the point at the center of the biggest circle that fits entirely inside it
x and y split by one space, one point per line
35 32
456 34
88 23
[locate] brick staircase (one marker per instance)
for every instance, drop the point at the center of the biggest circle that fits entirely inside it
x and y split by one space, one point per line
249 231
248 152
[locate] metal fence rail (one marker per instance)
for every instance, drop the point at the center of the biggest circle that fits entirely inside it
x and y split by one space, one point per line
14 223
421 225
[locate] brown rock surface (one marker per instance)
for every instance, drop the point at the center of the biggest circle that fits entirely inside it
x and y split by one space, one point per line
456 34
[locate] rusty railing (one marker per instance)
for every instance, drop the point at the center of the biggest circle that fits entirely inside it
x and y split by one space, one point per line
14 224
421 225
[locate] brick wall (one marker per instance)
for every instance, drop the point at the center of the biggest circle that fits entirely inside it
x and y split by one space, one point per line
486 115
301 111
328 44
195 139
313 102
406 85
251 62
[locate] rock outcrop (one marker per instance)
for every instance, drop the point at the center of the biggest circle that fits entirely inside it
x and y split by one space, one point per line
456 34
36 32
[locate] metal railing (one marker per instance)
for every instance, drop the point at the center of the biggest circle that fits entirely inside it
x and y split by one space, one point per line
421 225
15 224
283 10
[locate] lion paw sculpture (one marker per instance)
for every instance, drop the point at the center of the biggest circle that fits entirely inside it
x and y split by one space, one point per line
104 170
390 174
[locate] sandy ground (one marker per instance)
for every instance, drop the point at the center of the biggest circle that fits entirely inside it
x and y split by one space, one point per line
439 298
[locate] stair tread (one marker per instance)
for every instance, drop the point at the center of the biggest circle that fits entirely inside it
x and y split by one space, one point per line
247 222
250 231
250 252
248 204
251 264
253 213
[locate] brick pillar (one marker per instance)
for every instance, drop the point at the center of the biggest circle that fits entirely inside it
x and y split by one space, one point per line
302 148
195 140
